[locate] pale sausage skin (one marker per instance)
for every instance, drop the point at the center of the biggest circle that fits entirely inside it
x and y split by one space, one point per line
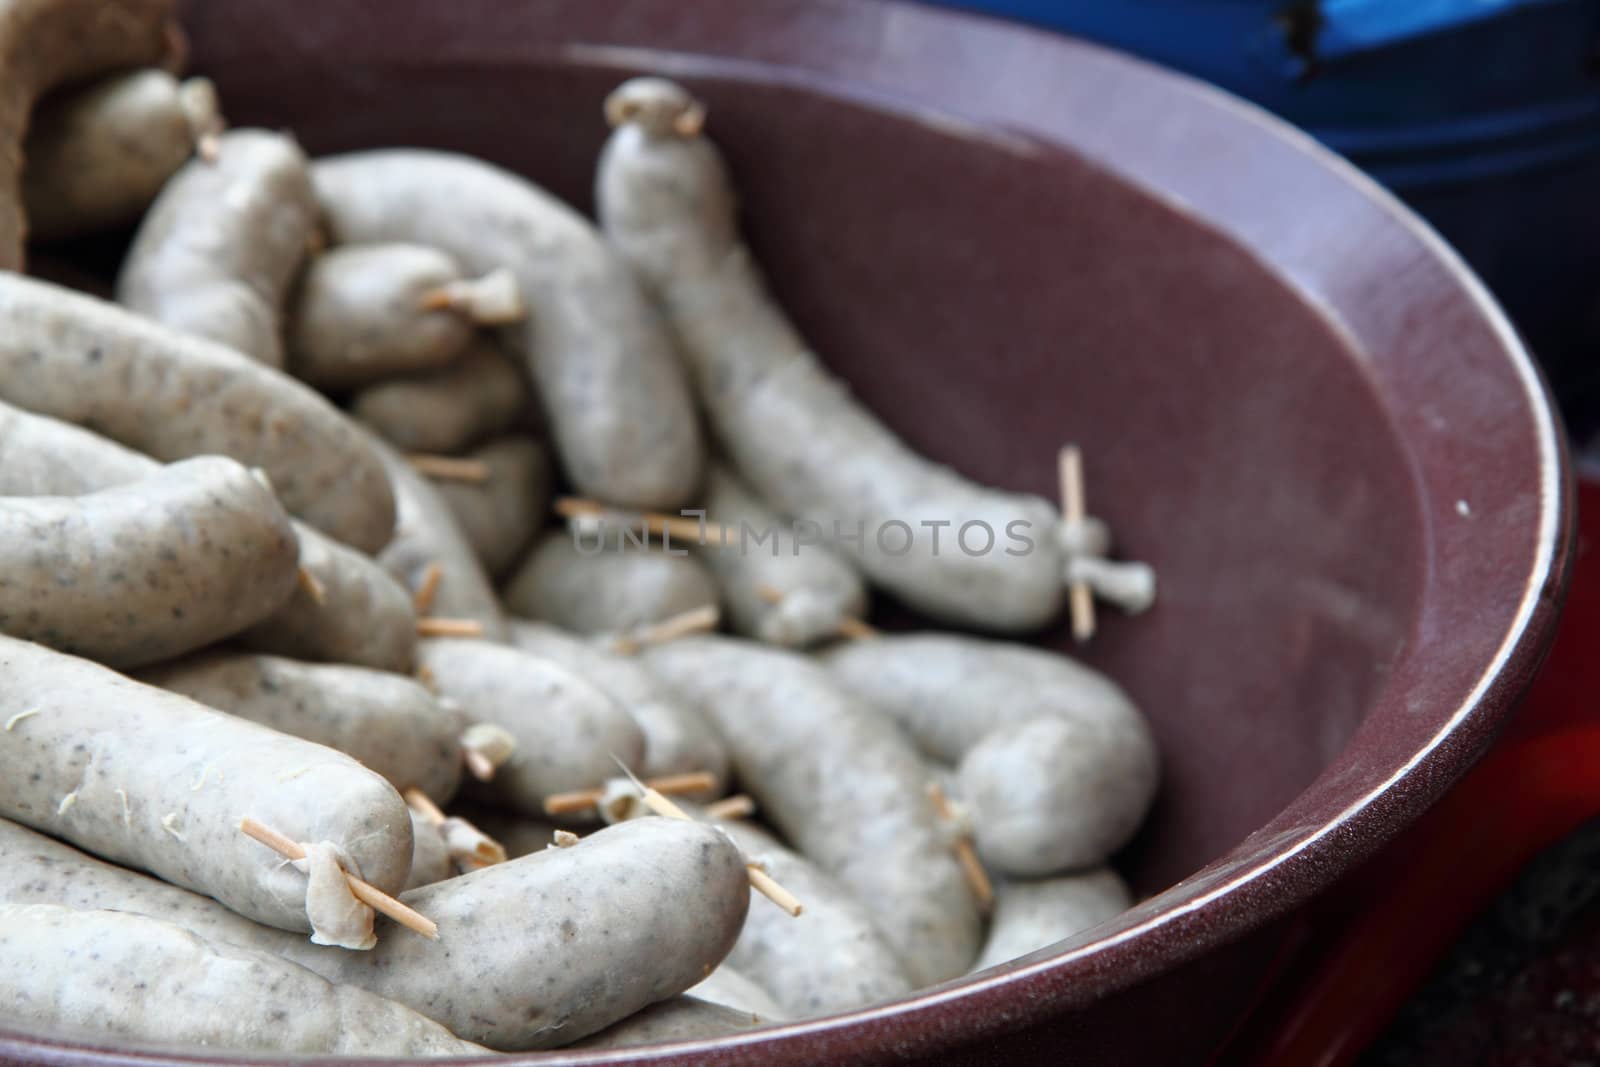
155 781
602 588
217 251
1056 764
363 616
791 428
173 396
97 157
118 975
48 43
155 568
842 783
683 1018
480 395
677 739
358 316
426 534
1029 916
501 516
569 732
390 723
821 590
611 387
828 960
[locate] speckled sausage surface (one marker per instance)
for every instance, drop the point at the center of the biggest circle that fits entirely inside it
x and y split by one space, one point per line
156 781
841 783
155 568
47 43
830 958
729 988
544 950
683 1018
482 394
1030 915
567 729
140 979
1056 764
364 617
426 534
217 251
430 856
97 157
608 379
173 396
358 315
677 739
793 430
501 515
389 722
602 590
820 588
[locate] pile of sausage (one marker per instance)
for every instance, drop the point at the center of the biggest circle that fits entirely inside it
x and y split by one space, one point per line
275 546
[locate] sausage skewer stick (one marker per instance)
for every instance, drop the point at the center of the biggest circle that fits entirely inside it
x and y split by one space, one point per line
438 626
695 621
313 586
738 806
422 599
760 880
485 851
966 855
365 892
687 530
584 799
450 468
849 626
1069 467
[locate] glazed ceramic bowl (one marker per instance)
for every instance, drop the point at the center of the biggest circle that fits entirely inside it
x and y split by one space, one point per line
1292 399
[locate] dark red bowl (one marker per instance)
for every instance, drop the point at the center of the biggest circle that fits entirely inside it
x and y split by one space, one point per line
1293 399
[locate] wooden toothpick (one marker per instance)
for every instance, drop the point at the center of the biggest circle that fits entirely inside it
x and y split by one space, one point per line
313 586
738 806
486 850
849 626
450 468
363 891
1069 467
971 867
694 621
437 626
427 589
760 880
583 799
479 766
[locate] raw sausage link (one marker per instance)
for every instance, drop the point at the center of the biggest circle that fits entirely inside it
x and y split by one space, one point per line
218 249
363 616
132 977
604 589
1029 916
501 515
388 722
1056 764
153 780
611 386
172 396
479 396
156 568
818 760
792 429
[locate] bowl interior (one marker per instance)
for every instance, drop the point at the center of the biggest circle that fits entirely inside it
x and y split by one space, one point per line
1006 242
994 298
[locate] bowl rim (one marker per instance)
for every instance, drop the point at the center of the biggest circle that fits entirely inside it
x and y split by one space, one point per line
1283 870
